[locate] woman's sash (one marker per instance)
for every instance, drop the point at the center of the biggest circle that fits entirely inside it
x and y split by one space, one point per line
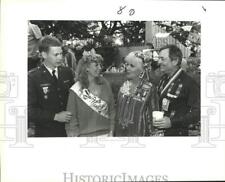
172 79
95 103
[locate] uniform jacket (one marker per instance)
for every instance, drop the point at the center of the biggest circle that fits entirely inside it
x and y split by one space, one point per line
46 98
180 102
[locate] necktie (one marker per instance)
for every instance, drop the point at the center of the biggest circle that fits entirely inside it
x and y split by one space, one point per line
54 76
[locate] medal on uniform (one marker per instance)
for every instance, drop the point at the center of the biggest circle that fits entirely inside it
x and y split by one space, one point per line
144 93
170 88
179 89
165 104
45 91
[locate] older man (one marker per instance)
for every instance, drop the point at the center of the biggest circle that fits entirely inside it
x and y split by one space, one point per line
179 94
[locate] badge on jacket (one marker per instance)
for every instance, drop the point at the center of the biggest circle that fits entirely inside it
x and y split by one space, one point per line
45 91
165 104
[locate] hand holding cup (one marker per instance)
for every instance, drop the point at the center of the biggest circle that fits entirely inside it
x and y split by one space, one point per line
157 116
160 121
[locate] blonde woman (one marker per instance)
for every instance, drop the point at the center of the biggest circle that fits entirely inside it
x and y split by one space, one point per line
90 101
137 99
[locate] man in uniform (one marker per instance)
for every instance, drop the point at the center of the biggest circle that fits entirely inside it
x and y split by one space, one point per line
48 88
179 94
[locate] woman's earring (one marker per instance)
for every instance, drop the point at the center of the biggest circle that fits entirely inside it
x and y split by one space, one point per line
141 74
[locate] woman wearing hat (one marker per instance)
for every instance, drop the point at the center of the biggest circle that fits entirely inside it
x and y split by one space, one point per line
90 100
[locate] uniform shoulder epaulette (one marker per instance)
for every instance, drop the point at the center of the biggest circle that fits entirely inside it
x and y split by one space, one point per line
33 70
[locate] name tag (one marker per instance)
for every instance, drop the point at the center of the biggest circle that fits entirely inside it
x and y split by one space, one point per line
165 104
172 96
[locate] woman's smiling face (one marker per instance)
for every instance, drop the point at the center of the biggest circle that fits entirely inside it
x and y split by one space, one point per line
94 69
134 66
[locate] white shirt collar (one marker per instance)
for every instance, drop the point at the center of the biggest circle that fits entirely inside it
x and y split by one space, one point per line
50 70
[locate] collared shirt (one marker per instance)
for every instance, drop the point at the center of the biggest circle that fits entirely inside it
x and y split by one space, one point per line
50 70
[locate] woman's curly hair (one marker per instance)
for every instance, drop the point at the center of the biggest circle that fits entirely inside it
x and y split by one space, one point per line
85 61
